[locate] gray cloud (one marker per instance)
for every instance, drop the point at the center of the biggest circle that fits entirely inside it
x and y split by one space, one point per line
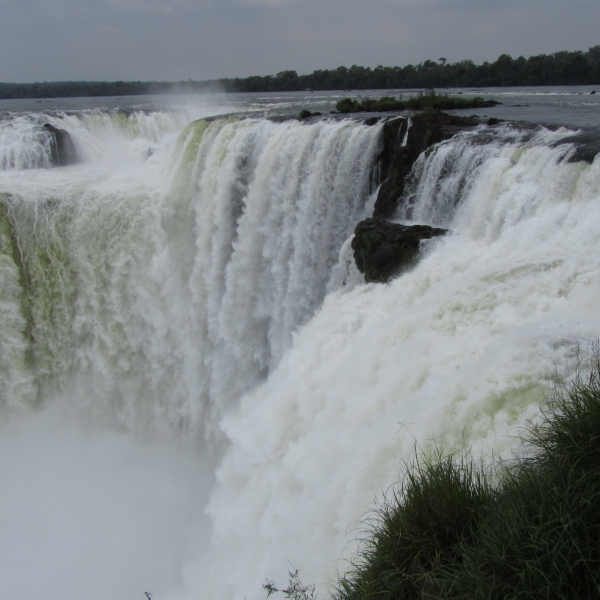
176 39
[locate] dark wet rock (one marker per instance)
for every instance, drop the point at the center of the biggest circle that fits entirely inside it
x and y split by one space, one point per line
383 249
587 145
493 121
592 92
393 134
63 149
427 128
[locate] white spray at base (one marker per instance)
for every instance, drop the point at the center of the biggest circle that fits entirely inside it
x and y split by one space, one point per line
161 291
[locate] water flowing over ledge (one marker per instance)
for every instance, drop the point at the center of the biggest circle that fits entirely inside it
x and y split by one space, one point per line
459 349
161 307
205 291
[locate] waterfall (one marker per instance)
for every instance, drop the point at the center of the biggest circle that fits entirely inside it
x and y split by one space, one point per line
200 393
162 305
461 350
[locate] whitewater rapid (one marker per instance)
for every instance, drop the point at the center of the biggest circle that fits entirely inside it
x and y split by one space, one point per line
198 391
460 351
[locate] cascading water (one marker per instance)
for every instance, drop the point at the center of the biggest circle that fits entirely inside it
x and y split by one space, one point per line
162 306
151 294
111 134
461 349
182 329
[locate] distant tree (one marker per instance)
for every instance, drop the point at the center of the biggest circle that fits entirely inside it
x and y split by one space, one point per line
560 68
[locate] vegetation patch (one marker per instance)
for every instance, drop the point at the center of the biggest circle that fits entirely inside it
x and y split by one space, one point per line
429 100
305 114
528 528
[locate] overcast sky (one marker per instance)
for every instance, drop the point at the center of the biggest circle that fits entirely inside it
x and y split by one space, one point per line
107 40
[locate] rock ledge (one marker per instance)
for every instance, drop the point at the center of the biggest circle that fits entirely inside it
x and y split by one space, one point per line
383 249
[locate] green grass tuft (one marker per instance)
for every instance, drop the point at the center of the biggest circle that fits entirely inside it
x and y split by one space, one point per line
420 530
527 529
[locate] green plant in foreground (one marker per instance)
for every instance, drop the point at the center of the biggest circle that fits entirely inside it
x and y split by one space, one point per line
420 530
295 590
543 538
525 529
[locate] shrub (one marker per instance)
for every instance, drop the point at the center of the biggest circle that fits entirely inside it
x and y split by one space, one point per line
295 590
347 105
304 114
543 538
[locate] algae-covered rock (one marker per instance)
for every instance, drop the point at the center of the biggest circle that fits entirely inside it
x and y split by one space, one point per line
382 249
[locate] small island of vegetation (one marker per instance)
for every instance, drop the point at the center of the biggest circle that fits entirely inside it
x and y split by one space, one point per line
429 100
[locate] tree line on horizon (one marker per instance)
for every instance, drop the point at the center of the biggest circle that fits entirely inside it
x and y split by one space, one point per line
560 68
